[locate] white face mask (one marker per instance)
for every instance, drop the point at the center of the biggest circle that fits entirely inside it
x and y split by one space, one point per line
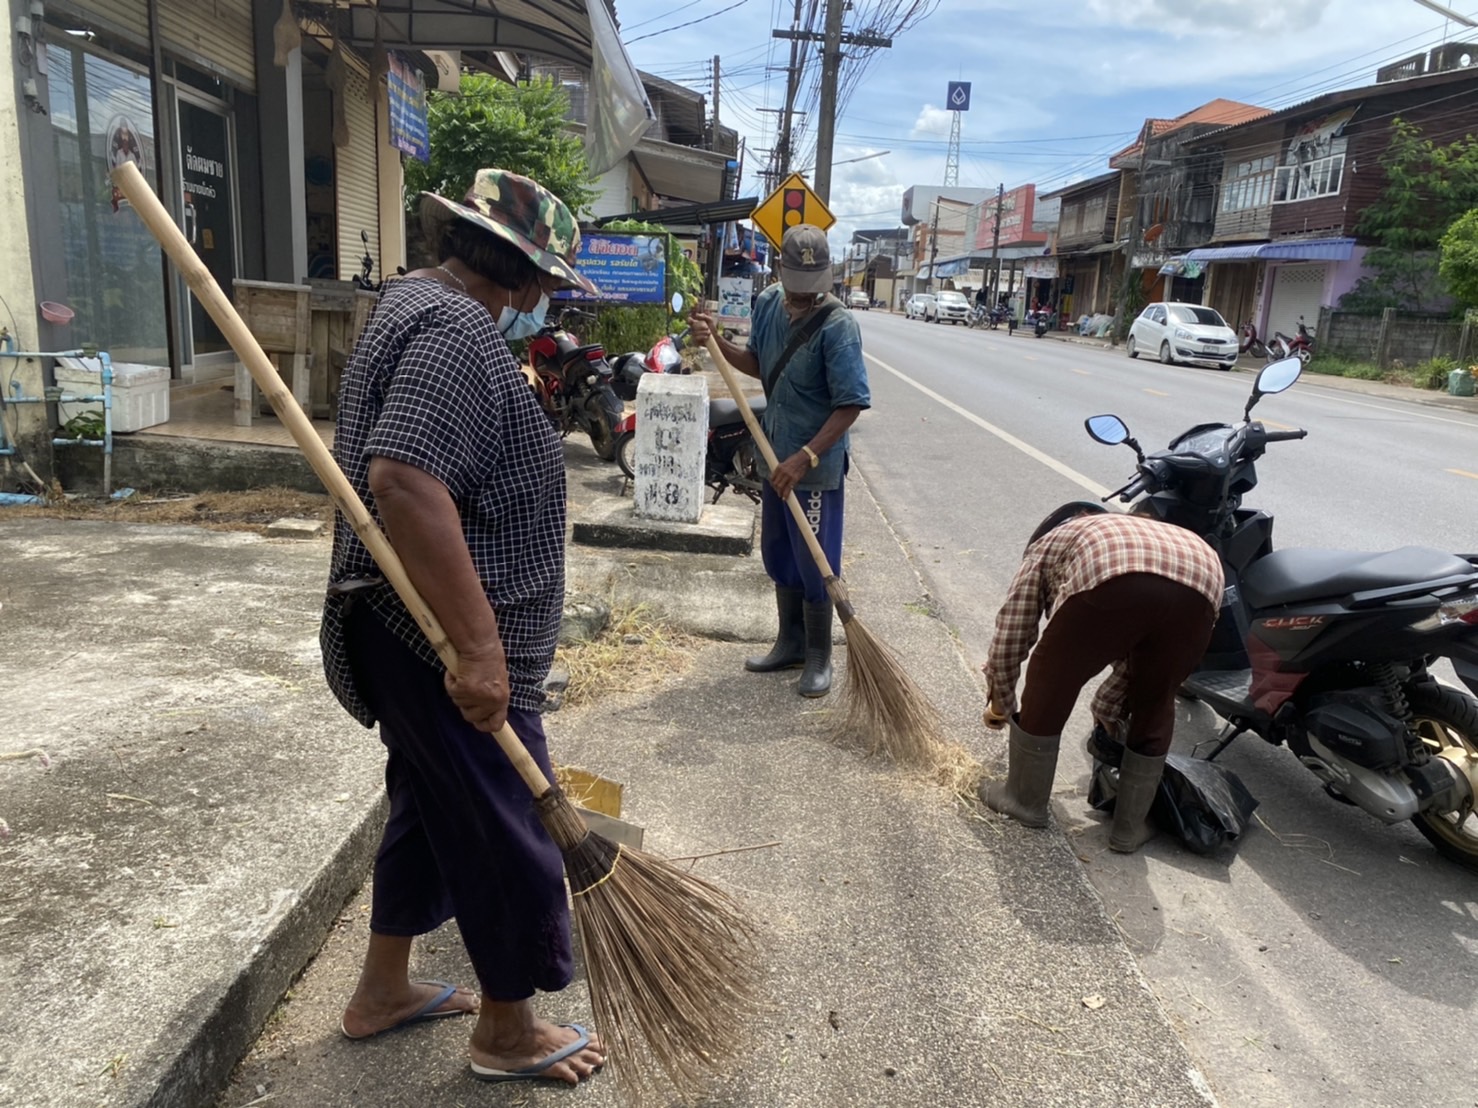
517 325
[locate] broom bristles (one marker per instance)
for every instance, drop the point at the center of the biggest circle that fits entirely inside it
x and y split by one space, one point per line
885 707
672 961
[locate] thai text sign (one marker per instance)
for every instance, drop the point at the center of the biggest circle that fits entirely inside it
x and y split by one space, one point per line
406 92
628 269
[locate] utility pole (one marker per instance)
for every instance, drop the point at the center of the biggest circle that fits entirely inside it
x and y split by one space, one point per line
1130 243
995 245
713 134
933 245
792 78
832 42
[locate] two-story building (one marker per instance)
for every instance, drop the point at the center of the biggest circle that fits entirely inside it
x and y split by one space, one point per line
873 260
1087 244
1293 186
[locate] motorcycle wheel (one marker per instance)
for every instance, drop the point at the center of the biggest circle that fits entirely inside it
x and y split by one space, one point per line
1305 356
1444 718
626 452
601 437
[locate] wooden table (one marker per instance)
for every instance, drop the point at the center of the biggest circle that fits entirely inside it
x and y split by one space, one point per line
308 331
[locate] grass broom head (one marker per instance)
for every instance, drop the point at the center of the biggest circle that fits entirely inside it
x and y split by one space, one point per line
672 960
885 707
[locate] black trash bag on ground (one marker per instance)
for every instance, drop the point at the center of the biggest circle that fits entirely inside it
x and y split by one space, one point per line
1203 804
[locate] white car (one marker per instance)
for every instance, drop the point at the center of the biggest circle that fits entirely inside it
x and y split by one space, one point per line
1190 333
858 301
950 306
920 306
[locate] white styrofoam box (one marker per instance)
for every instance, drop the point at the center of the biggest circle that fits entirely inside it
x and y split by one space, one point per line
140 392
671 442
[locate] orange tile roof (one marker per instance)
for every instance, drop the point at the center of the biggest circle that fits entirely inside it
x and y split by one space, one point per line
1221 112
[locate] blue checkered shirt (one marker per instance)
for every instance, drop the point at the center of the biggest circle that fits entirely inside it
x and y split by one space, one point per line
431 383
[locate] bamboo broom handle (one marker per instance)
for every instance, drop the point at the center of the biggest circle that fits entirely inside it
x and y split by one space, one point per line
833 582
132 184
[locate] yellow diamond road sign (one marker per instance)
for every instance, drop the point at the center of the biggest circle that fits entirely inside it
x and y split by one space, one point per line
792 203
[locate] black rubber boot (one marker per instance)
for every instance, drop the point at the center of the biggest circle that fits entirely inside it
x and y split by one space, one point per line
816 677
789 650
1139 779
1031 766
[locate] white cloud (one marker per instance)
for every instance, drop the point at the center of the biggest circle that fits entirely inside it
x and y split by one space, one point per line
1205 18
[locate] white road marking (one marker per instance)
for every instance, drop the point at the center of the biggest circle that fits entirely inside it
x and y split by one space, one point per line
1156 392
1005 436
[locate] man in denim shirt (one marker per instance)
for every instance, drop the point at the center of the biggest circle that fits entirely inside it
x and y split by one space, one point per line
813 399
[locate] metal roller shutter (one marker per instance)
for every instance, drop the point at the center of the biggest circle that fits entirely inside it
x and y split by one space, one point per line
130 17
217 34
1298 290
357 176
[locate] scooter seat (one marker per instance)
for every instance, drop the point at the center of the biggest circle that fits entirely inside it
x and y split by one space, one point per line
721 412
1293 575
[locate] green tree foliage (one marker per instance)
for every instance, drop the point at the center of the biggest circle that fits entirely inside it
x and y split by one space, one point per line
492 123
1459 263
1427 188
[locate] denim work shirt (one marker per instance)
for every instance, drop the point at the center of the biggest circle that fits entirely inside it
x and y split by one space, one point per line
825 374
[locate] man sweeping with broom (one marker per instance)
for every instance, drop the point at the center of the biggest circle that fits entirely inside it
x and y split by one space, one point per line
808 354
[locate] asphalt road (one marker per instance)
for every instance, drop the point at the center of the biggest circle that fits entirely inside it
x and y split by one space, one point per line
1333 959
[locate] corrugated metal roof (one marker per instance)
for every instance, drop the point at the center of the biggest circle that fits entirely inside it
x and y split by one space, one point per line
1299 250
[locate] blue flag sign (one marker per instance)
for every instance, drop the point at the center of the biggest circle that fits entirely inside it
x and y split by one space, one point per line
628 269
958 97
406 91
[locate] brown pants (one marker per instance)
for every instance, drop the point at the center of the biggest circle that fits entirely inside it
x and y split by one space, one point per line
1158 626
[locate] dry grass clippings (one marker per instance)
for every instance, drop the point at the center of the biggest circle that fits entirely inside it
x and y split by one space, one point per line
252 510
636 651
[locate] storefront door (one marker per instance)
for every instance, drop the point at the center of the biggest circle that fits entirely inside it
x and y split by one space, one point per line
207 209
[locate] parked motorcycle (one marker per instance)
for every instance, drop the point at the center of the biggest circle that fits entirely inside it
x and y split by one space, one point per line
999 315
664 357
364 279
729 462
1040 320
573 384
979 315
1300 346
1249 343
1326 651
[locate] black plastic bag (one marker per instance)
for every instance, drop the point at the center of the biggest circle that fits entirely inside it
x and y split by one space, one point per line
1203 804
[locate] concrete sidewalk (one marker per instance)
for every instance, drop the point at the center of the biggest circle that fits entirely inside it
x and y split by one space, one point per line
210 809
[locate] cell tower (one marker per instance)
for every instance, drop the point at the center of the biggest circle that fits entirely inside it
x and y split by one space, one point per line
958 99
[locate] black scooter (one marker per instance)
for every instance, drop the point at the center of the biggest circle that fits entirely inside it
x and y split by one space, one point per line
1326 651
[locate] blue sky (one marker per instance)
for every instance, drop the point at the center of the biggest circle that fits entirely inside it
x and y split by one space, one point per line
1057 86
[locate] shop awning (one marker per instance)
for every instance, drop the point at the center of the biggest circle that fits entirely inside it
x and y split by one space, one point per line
1099 248
1303 250
958 264
692 215
550 28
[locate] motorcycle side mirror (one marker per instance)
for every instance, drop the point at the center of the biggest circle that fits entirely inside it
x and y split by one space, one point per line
1275 377
1111 431
364 238
677 303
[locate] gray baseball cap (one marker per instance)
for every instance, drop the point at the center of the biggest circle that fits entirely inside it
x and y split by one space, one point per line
805 260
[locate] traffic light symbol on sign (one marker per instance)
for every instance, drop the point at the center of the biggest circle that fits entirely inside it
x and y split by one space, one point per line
795 207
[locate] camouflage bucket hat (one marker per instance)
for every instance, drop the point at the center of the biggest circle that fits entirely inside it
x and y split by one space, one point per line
521 212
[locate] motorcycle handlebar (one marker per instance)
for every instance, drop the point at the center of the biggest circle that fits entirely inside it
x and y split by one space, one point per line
1284 436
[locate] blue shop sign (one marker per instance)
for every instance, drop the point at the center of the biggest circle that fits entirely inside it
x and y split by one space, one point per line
628 269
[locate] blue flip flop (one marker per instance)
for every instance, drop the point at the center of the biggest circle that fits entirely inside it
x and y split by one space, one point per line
427 1011
537 1070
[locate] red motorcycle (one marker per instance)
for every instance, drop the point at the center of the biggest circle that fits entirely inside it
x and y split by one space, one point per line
1250 343
1300 346
573 383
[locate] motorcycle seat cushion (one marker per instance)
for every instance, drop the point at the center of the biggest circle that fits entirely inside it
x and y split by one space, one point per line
723 412
1293 575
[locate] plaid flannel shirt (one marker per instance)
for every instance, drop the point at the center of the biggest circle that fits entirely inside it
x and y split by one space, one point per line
1080 555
